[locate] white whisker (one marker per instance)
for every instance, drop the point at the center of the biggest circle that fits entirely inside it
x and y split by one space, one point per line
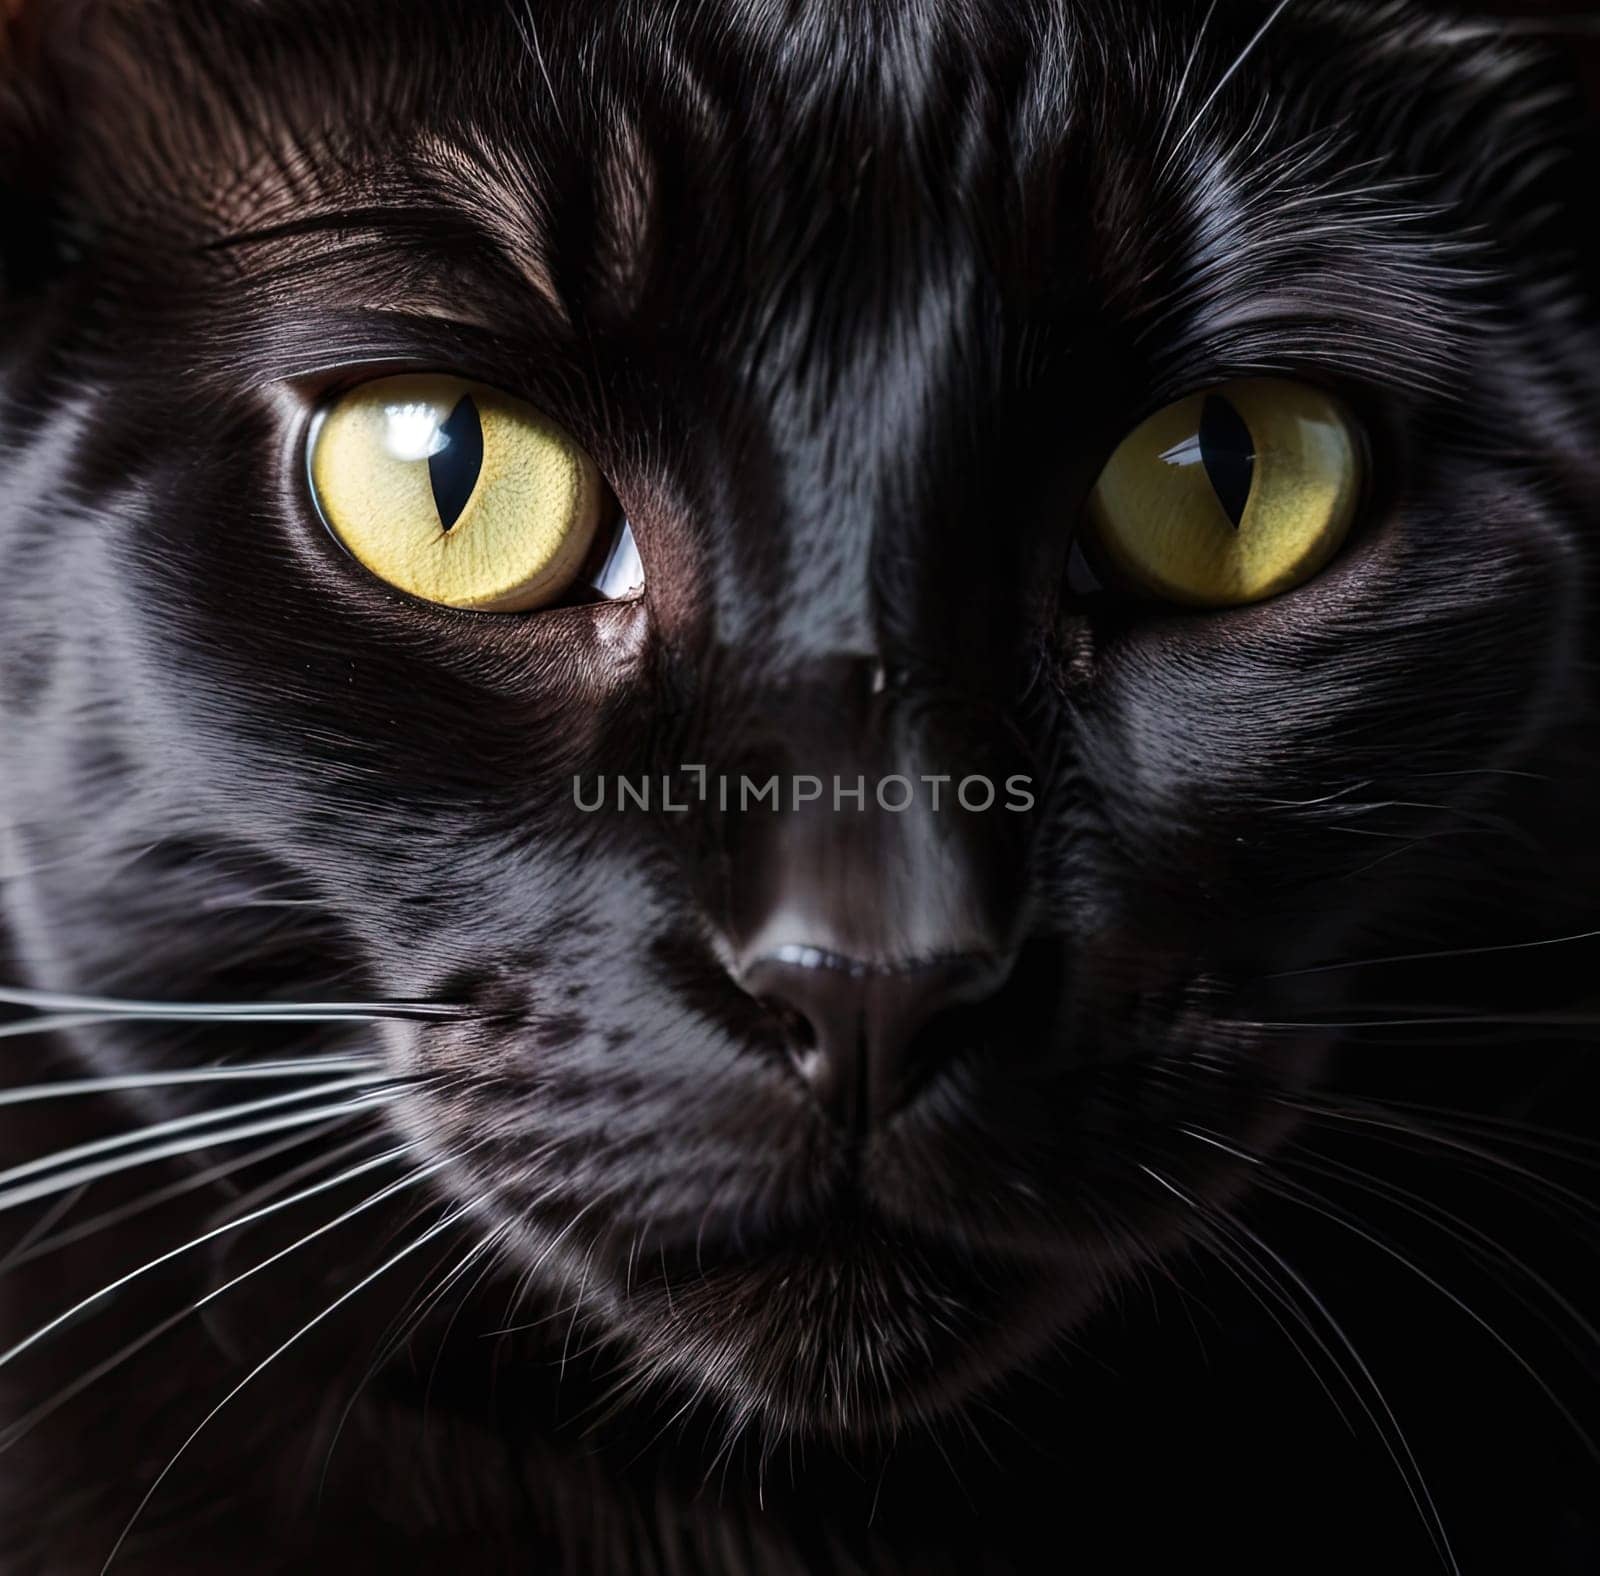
1393 1437
361 1285
26 1245
224 1011
205 1237
1270 1297
177 1124
283 1182
190 1184
1306 1198
524 23
19 1428
54 1023
51 1185
1227 76
1488 1020
1195 47
22 1425
407 1322
26 1093
1429 957
1393 1125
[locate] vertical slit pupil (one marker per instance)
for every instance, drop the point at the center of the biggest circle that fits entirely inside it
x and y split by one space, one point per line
454 469
1229 453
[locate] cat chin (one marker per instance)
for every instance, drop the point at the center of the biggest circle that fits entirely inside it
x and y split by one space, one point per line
857 1346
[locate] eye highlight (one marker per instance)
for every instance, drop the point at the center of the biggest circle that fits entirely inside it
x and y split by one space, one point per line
457 493
1230 496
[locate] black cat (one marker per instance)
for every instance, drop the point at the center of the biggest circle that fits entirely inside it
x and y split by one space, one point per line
794 787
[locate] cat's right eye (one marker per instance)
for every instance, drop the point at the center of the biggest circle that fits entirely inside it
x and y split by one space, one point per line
462 495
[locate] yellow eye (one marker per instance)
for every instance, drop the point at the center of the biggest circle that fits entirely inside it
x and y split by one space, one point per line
1230 496
456 493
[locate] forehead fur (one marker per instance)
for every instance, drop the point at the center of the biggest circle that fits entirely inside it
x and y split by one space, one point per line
241 103
1209 174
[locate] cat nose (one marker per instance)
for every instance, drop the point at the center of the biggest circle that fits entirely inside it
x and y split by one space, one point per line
866 1036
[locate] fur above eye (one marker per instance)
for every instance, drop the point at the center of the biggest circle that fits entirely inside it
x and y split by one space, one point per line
1231 495
462 495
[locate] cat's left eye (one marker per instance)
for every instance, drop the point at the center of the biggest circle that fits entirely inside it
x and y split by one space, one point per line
1231 495
462 495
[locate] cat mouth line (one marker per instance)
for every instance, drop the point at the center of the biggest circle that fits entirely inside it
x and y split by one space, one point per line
850 1221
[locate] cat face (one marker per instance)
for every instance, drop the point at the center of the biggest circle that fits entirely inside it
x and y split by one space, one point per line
830 1111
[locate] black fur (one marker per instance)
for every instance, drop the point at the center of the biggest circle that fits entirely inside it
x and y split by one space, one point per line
850 302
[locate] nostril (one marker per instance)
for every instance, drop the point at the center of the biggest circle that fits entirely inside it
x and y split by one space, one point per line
794 1029
865 1036
815 1006
953 1016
